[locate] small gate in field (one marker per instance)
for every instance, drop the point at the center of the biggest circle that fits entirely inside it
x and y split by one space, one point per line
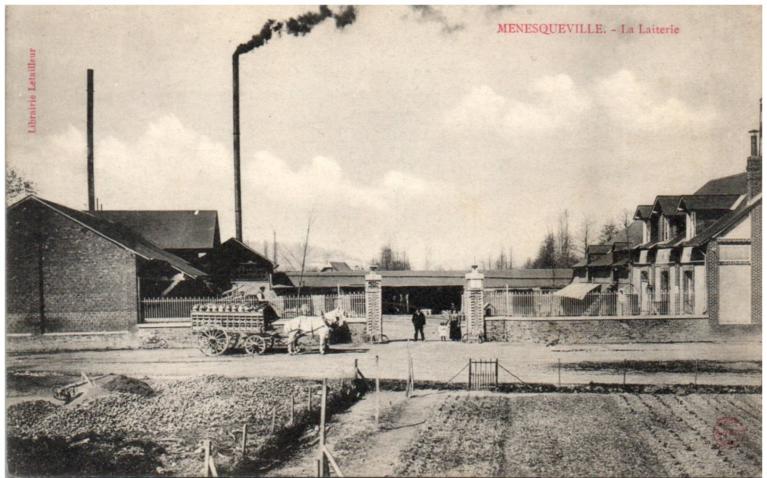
483 374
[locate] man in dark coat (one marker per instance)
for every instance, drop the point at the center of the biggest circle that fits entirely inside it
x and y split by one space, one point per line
419 320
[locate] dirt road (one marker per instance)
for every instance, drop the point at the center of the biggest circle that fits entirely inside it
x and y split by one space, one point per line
433 360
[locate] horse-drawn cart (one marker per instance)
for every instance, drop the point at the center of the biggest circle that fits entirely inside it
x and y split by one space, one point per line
221 327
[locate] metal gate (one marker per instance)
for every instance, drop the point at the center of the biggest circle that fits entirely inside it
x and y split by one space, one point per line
483 374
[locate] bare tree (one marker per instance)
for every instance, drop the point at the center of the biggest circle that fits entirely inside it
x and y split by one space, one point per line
587 231
16 187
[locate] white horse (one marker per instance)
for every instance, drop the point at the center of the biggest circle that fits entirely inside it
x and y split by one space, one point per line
310 325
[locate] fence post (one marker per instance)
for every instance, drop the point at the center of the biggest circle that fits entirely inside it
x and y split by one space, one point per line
244 437
469 374
559 372
373 305
624 372
309 399
292 408
496 372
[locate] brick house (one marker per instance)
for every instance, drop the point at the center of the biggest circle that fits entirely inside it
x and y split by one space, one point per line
679 266
73 271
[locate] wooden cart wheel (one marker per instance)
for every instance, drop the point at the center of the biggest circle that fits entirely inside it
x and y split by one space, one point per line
255 344
213 341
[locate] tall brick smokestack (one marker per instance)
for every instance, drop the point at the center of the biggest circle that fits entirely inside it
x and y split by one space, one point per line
91 180
298 26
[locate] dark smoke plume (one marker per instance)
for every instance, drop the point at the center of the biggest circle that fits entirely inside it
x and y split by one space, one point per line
298 26
427 13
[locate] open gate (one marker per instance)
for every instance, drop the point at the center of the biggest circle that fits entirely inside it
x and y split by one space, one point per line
483 374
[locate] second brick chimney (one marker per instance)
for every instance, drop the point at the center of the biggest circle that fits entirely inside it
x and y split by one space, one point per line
754 166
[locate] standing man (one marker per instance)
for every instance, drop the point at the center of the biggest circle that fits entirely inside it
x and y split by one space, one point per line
419 320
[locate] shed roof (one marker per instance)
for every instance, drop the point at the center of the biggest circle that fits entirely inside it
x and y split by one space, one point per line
735 184
516 278
118 234
700 202
171 229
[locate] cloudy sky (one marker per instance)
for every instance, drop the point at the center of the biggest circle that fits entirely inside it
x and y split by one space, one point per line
425 129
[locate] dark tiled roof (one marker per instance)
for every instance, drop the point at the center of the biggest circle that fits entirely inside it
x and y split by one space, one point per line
120 235
634 235
735 184
580 264
673 242
599 248
724 224
643 211
171 229
699 202
340 266
667 205
602 261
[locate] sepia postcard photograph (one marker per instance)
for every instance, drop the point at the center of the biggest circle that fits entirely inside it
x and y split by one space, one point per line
419 241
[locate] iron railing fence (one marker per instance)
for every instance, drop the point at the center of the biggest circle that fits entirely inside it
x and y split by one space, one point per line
603 304
159 309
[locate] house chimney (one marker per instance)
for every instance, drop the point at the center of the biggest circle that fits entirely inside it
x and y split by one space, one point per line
91 185
754 166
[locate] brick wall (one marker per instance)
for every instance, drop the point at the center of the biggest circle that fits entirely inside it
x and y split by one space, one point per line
712 281
614 331
89 283
22 278
756 263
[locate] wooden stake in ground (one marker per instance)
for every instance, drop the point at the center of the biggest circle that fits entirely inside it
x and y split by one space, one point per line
244 437
209 468
559 372
378 392
696 372
309 400
324 471
292 408
274 419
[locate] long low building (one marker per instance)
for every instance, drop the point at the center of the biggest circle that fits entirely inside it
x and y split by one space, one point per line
404 291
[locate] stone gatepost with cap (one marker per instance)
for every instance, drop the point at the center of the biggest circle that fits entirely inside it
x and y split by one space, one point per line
373 305
474 305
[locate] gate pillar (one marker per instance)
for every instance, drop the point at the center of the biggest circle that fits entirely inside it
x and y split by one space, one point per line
373 305
474 308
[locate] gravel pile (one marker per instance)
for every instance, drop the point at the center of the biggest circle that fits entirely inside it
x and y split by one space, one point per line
204 407
121 383
25 416
176 416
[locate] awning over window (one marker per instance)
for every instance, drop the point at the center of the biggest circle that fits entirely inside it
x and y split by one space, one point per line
577 291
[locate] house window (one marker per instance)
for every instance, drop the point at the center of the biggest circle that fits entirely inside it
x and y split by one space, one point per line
690 225
645 231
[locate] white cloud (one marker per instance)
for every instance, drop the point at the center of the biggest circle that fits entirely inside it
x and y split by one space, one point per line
634 105
552 102
556 102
